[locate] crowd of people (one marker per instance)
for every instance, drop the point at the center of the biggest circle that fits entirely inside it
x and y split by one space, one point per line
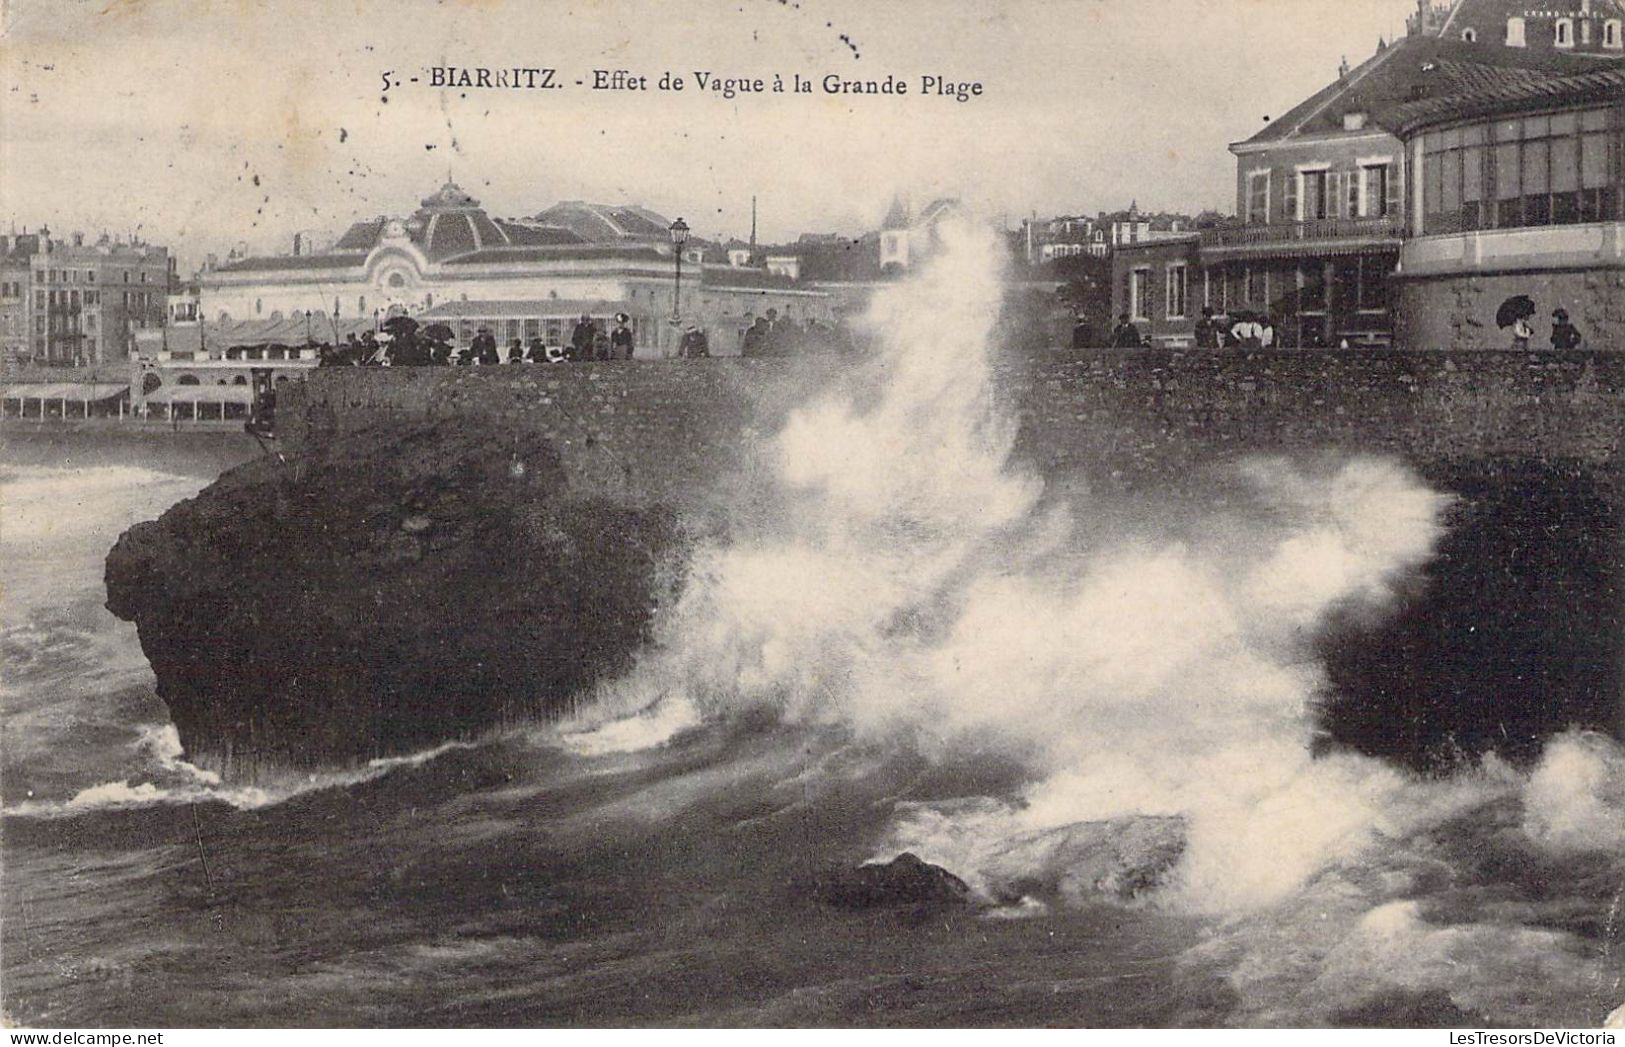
1247 329
1242 329
402 342
775 335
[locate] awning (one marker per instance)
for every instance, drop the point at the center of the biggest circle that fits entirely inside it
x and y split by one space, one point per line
206 394
286 331
92 392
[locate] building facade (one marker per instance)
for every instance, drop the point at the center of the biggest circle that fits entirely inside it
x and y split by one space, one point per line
1516 191
1065 236
1578 27
16 277
451 262
1324 194
1157 284
68 302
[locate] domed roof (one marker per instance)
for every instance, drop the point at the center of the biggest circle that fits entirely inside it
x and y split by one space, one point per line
607 223
449 197
450 223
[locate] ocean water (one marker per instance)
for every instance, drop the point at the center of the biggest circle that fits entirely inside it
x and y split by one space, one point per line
1103 715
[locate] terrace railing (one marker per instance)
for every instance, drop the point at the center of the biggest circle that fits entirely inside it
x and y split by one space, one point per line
1390 227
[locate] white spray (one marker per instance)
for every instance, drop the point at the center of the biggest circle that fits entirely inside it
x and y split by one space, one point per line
919 595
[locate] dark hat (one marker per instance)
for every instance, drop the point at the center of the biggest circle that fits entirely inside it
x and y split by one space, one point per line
1560 314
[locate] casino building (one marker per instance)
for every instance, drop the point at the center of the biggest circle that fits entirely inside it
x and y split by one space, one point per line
451 262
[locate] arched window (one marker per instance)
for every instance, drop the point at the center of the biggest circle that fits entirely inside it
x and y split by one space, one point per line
276 314
335 307
1565 32
1470 35
258 305
1611 37
187 379
239 380
428 301
361 304
1515 37
397 280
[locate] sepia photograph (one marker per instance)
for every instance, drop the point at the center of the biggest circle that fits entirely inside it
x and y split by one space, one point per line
784 514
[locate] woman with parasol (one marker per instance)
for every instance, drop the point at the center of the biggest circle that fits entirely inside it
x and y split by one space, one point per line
1515 313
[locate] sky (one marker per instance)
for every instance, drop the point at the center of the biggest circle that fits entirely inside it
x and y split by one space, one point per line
203 124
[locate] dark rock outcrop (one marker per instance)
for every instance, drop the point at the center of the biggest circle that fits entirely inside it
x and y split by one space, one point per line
406 585
905 881
1513 632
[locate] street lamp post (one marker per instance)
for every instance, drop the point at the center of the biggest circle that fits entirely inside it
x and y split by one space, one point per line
679 237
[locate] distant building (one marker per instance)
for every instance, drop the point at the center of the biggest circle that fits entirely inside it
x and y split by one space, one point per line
450 261
785 265
67 302
1065 236
1134 226
1041 241
182 304
907 239
16 276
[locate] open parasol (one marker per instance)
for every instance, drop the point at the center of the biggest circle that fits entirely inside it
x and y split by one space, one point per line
1518 307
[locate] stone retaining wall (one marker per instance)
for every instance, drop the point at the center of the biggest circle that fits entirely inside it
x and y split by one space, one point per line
673 430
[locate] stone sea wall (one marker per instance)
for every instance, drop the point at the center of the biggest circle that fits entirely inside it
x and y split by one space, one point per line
672 430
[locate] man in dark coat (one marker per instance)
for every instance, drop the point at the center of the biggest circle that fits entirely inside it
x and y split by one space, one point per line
1125 335
755 343
1564 334
694 345
1207 330
581 338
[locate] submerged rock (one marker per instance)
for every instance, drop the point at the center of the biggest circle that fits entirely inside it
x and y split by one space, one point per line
400 587
1117 860
903 881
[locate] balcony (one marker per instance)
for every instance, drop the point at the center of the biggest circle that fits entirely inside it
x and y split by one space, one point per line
1316 236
